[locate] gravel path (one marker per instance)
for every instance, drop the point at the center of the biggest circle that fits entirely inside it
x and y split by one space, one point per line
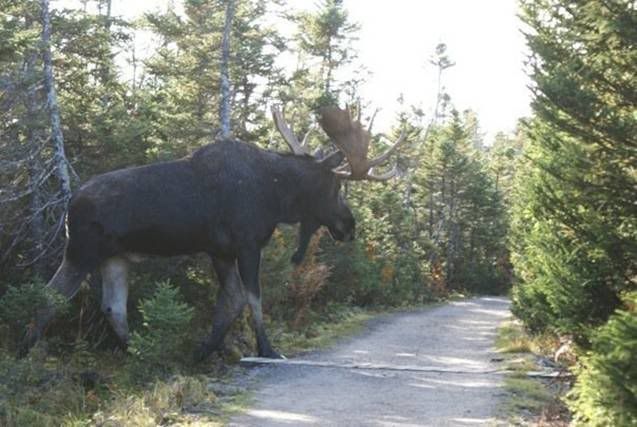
427 368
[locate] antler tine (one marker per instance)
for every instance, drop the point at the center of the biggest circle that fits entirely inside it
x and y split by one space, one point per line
380 159
370 176
371 120
287 133
384 176
307 137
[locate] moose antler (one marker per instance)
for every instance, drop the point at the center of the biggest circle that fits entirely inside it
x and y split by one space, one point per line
353 141
298 148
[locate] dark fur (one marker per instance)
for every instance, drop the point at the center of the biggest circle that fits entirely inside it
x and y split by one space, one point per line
225 199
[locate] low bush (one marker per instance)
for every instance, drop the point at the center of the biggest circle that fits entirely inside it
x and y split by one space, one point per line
18 310
606 390
163 340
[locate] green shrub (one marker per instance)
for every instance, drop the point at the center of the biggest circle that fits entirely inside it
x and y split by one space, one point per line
19 307
530 305
166 319
606 390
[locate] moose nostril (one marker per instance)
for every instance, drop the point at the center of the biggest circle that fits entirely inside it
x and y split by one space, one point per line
108 310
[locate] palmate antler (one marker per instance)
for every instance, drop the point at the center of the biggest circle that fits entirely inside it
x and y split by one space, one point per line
353 141
350 138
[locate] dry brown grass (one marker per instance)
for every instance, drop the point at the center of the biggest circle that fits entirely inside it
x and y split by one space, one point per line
307 281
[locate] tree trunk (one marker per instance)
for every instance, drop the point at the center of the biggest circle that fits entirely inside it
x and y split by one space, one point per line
224 107
37 229
59 157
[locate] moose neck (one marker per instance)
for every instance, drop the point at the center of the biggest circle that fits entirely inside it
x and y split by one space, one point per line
304 184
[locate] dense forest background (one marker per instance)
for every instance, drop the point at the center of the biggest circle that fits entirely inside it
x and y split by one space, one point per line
549 210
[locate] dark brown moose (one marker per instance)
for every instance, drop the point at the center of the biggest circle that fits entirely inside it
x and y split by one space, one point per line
225 199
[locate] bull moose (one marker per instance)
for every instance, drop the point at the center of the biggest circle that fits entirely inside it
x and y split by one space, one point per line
225 199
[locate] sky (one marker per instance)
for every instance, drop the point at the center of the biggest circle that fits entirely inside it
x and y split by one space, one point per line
398 37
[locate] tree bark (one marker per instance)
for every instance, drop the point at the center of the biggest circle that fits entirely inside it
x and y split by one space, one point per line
224 107
35 168
59 157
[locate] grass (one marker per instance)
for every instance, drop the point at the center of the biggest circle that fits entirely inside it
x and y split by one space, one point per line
526 394
526 398
512 339
320 334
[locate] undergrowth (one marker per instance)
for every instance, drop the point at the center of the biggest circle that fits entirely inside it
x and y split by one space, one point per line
86 387
529 400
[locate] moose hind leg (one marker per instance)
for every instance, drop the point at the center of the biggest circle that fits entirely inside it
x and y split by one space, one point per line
249 264
230 303
66 281
115 295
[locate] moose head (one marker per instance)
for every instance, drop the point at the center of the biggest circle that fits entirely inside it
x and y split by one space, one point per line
349 162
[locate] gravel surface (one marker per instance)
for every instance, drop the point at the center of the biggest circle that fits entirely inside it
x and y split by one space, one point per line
431 367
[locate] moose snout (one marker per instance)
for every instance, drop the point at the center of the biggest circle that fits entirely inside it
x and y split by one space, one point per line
348 236
341 233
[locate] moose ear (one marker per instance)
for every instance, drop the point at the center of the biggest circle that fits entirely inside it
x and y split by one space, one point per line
333 160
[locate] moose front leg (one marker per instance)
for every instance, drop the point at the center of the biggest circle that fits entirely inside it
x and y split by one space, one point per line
230 302
249 263
306 231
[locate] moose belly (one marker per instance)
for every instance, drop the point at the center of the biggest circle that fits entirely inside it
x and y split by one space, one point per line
165 241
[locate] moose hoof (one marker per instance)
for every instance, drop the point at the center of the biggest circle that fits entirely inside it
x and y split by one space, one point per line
28 341
297 258
271 355
200 354
203 352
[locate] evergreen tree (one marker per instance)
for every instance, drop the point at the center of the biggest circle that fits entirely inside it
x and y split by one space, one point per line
184 84
464 214
67 61
575 219
324 38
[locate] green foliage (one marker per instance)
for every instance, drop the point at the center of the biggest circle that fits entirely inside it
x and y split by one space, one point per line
326 36
574 223
36 392
19 306
574 220
184 93
161 342
606 389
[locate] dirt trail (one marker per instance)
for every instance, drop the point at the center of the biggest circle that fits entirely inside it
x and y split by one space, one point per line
427 368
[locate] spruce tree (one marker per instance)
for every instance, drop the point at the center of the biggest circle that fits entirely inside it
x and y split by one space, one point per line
575 220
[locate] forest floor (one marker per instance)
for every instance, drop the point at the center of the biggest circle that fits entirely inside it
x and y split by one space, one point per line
431 367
